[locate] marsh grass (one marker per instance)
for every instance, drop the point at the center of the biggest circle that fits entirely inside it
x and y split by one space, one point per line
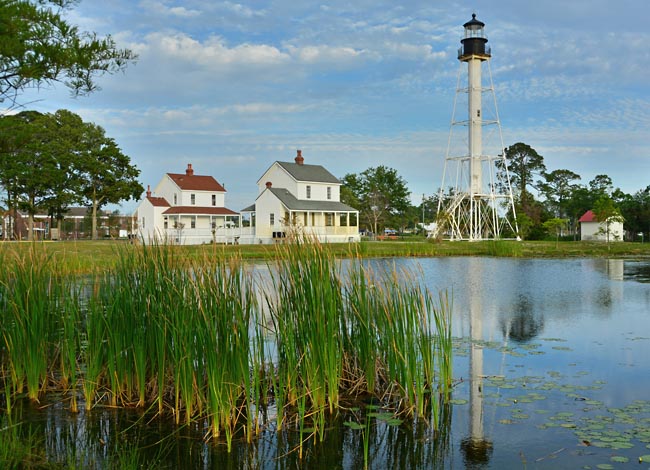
20 447
188 337
356 333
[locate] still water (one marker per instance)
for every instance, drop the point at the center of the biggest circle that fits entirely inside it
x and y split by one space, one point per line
552 363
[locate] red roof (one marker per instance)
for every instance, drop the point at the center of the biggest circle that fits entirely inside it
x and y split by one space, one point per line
158 201
588 216
196 182
199 210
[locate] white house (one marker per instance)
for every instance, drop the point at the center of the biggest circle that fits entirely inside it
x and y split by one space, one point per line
187 209
591 229
297 198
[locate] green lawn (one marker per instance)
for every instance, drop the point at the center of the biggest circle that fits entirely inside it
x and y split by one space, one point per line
89 256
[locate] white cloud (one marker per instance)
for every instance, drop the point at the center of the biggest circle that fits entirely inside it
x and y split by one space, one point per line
161 8
214 52
242 10
328 55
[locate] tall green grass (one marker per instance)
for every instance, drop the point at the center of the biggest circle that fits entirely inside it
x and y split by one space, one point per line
355 332
188 337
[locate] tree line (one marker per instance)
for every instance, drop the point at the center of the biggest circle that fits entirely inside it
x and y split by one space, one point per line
546 202
49 162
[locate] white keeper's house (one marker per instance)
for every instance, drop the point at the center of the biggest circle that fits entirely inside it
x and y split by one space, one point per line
186 209
296 198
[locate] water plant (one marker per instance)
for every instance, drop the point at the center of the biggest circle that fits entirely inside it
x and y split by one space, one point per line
188 337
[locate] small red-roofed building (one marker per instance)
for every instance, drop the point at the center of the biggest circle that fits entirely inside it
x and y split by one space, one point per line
591 229
187 209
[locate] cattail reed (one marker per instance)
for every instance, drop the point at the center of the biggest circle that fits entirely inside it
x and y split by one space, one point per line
191 338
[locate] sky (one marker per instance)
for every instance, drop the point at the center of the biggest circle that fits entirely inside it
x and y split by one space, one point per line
231 87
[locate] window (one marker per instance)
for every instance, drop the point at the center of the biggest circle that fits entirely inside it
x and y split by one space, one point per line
272 219
166 223
353 219
329 219
214 199
143 222
343 219
308 192
305 220
193 199
329 192
193 222
175 199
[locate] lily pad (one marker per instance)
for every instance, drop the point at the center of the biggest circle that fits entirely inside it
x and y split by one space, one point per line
393 422
458 401
381 416
353 425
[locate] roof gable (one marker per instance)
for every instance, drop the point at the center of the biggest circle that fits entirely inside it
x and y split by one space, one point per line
292 203
588 216
158 201
308 173
196 182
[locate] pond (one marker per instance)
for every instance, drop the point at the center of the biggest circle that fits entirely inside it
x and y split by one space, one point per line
551 368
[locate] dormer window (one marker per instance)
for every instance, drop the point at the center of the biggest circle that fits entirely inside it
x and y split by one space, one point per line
308 192
193 199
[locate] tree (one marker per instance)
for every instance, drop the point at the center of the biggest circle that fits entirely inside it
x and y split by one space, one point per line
14 136
29 167
524 163
106 174
635 209
580 200
554 227
601 185
38 47
65 133
351 190
557 187
378 192
49 161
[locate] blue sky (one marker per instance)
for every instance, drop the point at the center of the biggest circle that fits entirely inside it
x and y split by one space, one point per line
232 87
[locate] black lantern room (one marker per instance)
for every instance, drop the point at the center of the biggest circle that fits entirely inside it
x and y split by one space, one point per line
474 42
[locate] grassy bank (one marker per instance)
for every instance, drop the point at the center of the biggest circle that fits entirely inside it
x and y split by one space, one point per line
93 256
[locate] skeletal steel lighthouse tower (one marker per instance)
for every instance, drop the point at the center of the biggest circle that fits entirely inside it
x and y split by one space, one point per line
475 201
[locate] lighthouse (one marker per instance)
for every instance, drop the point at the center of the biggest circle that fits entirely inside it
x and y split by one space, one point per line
475 200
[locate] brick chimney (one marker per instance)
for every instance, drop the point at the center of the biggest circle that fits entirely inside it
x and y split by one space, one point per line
189 171
148 191
299 160
269 184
